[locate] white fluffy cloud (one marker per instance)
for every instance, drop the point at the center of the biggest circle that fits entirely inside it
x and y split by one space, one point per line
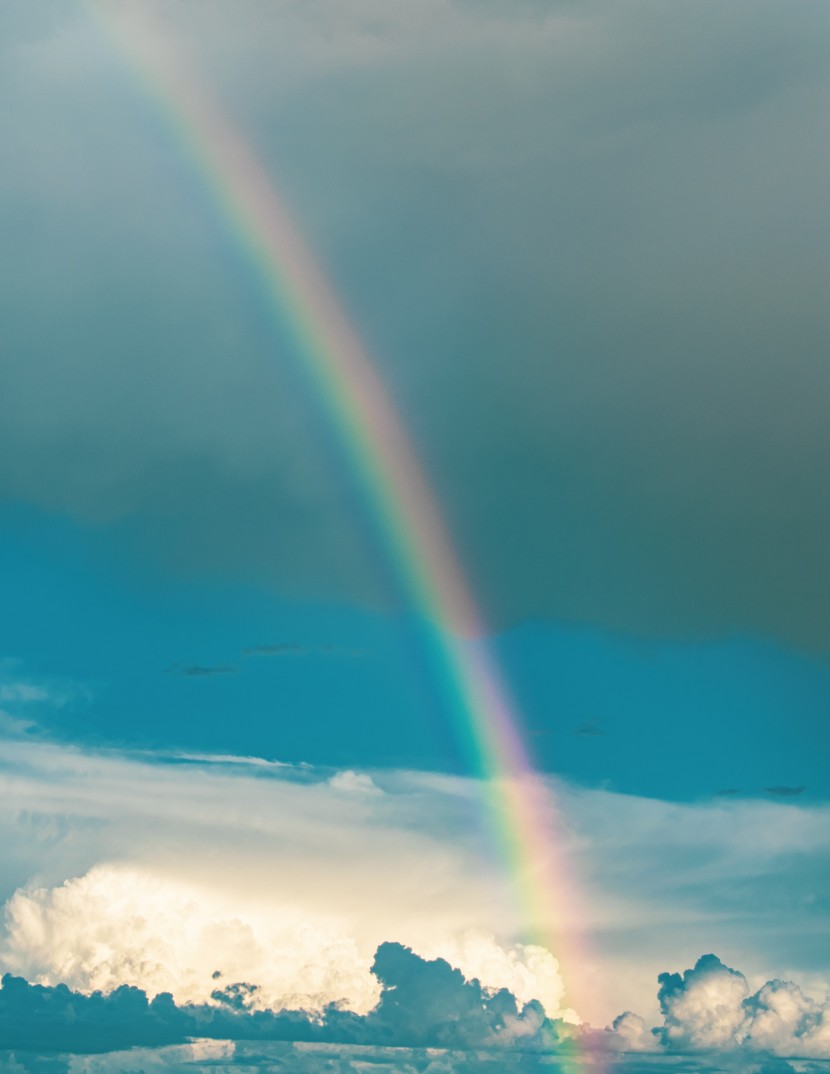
121 925
353 782
145 869
782 1020
632 1033
159 874
710 1008
527 970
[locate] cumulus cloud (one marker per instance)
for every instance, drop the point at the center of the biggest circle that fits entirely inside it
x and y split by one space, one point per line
321 866
710 1008
123 926
118 926
632 1033
703 1007
426 1004
782 1020
527 971
354 782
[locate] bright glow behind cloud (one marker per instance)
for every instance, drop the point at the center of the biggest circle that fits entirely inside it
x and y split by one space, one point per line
119 924
316 869
280 877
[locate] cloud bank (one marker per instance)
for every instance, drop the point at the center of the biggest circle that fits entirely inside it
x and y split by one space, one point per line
116 867
428 1004
322 866
119 925
421 1004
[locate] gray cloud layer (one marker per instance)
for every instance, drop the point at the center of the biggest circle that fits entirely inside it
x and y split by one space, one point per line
427 1004
586 244
423 1004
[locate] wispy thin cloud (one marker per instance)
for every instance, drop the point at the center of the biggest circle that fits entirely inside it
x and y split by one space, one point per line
23 692
590 730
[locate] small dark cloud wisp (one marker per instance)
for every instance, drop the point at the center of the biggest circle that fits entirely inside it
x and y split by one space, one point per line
293 648
785 792
590 730
283 648
201 671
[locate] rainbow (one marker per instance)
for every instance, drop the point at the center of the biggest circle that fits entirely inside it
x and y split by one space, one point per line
371 434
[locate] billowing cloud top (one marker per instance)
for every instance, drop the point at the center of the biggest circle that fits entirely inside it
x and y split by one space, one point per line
710 1008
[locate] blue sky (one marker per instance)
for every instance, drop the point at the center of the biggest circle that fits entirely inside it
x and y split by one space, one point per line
145 661
586 247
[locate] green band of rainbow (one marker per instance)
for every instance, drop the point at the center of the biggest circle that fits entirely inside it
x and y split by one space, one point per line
373 438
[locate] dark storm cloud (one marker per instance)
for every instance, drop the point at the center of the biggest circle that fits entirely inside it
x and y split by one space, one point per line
586 243
38 1018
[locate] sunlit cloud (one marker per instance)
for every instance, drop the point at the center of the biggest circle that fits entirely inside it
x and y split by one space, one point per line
106 855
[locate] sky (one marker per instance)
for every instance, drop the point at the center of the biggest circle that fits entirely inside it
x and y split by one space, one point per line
584 247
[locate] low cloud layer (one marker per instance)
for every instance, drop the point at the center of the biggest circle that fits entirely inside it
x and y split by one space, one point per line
421 1004
428 1004
208 1057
